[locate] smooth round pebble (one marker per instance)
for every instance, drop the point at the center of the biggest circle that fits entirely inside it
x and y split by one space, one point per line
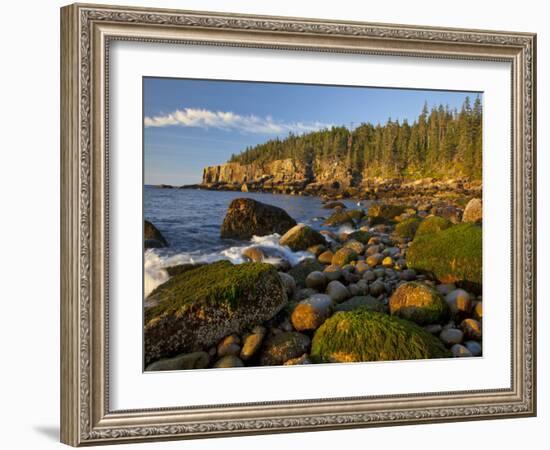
459 351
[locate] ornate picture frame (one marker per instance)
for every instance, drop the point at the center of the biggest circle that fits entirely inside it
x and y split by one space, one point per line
86 34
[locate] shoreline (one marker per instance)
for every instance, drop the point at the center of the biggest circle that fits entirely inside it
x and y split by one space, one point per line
362 268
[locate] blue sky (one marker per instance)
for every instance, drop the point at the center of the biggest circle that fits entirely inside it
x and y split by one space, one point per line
190 124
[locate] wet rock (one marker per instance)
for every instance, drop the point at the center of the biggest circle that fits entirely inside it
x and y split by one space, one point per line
474 347
333 272
459 351
451 336
246 217
196 360
284 346
289 283
326 257
419 303
309 314
301 237
228 361
344 256
473 211
337 291
152 236
230 345
316 280
471 328
459 301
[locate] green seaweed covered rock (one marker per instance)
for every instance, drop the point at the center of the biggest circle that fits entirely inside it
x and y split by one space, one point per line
363 335
407 228
301 237
384 213
419 303
433 224
195 309
452 255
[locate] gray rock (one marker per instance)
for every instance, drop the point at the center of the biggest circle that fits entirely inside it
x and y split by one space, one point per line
377 288
289 283
375 259
333 272
301 237
459 301
433 328
474 347
444 289
196 360
316 280
337 291
451 336
459 351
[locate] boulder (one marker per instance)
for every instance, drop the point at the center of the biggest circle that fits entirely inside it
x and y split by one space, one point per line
284 346
196 360
254 254
309 314
452 255
451 336
195 309
345 217
459 301
326 257
301 270
363 335
419 303
333 205
153 238
361 236
289 283
432 224
246 217
473 211
344 256
252 343
408 227
316 280
228 361
356 246
301 237
471 328
337 291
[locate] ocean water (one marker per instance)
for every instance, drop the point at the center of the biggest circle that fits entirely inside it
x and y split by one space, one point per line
190 220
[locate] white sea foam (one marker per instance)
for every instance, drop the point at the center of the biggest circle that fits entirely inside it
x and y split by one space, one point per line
153 273
155 263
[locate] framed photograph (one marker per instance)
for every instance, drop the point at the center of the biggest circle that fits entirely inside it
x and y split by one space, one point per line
276 224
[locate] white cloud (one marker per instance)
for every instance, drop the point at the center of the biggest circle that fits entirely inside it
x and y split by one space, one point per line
227 120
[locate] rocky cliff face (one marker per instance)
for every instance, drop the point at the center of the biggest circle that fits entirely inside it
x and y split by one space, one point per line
279 171
323 177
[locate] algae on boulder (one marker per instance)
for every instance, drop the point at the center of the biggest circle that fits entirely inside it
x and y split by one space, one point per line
363 335
195 309
433 224
408 227
452 255
301 237
246 217
419 303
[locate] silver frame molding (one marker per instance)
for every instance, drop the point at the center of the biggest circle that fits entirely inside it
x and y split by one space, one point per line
86 31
